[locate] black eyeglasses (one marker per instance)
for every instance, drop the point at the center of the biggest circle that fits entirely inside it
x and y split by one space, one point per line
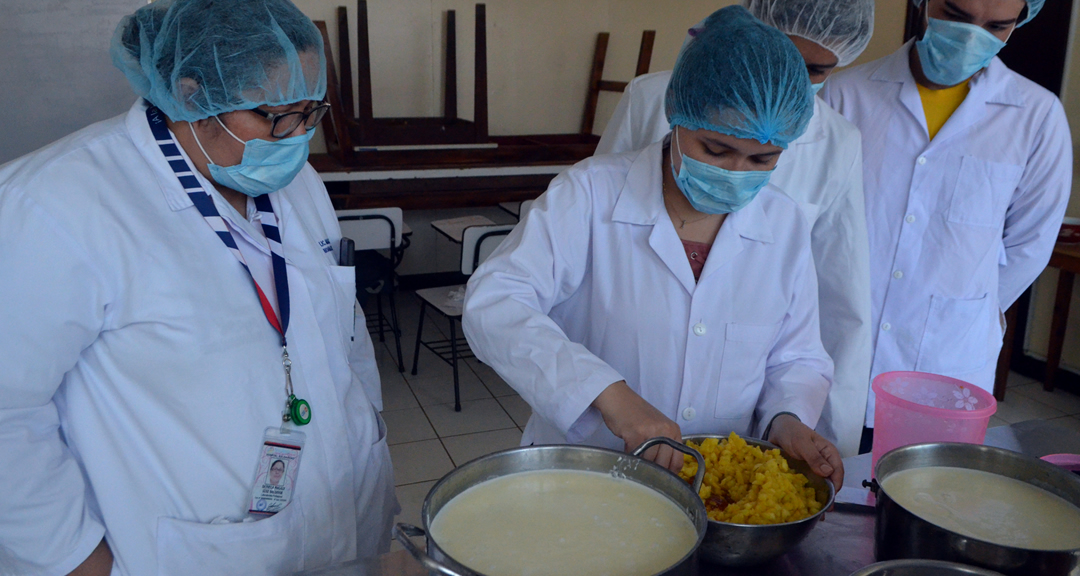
284 124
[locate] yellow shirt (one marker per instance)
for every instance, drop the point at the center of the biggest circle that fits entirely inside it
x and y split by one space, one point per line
939 105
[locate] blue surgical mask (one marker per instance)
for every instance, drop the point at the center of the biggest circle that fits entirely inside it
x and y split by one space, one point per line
815 88
267 165
713 190
951 52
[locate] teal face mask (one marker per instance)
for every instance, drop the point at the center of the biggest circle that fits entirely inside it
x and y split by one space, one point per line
267 166
815 88
951 52
713 190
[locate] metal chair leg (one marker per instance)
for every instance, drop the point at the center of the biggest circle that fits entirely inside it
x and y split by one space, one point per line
453 362
396 329
378 304
419 332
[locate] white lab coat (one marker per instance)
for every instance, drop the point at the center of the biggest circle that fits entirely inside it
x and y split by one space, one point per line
822 171
141 373
594 287
961 225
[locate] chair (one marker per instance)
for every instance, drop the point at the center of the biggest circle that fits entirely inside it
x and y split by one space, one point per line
348 132
372 230
477 243
596 75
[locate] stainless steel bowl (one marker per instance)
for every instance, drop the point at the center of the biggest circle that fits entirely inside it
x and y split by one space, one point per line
749 544
922 568
901 534
558 457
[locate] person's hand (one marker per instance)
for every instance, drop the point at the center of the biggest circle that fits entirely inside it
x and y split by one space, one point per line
634 421
98 563
800 441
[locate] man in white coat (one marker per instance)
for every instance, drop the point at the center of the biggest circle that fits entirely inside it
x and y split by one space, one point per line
174 312
967 169
822 170
670 290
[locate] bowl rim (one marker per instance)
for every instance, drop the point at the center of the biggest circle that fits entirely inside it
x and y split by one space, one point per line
770 446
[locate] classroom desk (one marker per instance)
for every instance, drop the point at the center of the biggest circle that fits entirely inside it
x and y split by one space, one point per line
518 168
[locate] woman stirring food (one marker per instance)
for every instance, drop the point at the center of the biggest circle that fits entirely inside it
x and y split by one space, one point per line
672 290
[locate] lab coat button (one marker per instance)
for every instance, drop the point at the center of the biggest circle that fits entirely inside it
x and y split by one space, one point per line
922 160
898 274
689 414
699 329
886 326
910 219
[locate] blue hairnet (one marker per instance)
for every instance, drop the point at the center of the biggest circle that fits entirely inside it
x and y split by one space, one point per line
844 27
195 59
1034 6
742 78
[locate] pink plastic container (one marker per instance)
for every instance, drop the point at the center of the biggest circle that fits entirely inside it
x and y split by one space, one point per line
1069 462
916 407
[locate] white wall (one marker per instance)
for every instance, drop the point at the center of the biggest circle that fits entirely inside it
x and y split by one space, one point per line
539 53
55 72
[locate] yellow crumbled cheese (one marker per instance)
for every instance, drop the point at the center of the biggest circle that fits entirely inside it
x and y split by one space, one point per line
746 485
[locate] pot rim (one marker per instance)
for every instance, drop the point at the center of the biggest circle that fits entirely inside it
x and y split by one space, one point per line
896 452
769 445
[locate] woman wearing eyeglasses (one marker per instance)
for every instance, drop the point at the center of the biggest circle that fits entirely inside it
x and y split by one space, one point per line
173 310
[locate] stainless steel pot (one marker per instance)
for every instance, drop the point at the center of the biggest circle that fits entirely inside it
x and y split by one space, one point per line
749 544
560 457
922 568
901 534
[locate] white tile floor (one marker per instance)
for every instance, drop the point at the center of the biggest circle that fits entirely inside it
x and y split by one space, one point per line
428 438
1025 399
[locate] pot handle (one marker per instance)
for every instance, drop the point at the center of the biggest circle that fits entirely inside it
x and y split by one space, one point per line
698 478
872 484
403 533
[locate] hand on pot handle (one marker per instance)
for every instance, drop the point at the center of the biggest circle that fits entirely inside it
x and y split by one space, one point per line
634 421
800 441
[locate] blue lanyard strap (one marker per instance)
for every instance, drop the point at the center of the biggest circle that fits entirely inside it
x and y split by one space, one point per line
205 204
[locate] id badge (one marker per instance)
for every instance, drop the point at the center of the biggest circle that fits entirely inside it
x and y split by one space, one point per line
275 475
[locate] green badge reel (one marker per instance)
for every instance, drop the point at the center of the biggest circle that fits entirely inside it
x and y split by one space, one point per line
297 411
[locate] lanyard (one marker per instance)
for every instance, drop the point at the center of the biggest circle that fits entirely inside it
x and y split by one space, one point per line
296 409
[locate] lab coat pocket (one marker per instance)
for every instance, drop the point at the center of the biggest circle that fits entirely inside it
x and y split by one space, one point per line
343 279
270 546
381 439
956 340
742 369
376 497
982 192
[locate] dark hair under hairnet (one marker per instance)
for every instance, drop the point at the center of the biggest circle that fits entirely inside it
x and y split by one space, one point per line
195 59
743 78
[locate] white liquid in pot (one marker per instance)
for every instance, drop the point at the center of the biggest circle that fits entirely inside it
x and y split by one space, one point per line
987 507
563 522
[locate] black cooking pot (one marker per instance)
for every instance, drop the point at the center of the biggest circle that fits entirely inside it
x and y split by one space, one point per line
901 534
